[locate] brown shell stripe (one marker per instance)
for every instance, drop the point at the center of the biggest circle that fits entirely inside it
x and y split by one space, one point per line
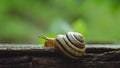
77 45
78 37
71 46
65 50
82 42
69 49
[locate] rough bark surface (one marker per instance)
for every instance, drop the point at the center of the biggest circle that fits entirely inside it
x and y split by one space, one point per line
35 56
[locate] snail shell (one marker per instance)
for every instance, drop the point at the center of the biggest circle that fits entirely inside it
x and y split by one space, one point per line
71 45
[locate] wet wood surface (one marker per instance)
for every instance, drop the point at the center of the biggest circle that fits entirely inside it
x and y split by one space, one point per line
37 56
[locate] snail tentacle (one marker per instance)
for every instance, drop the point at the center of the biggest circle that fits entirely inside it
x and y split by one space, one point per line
43 37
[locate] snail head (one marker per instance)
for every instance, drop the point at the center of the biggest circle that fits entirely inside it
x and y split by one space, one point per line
49 42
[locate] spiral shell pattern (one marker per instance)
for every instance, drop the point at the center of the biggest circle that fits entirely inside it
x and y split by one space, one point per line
72 44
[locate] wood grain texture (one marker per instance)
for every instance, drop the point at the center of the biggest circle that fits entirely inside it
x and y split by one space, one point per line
36 56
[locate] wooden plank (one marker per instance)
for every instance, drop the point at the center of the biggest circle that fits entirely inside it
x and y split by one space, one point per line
65 63
36 56
21 65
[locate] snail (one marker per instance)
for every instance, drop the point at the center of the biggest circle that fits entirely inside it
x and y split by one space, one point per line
71 45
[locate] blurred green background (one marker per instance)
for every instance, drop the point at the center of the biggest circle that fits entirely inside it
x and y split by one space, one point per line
22 21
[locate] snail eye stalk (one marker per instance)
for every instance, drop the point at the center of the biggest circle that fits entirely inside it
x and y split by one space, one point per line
43 36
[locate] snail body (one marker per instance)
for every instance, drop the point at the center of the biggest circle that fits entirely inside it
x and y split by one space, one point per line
71 45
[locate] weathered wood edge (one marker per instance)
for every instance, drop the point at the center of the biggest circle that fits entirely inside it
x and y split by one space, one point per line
90 48
41 47
93 52
36 56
